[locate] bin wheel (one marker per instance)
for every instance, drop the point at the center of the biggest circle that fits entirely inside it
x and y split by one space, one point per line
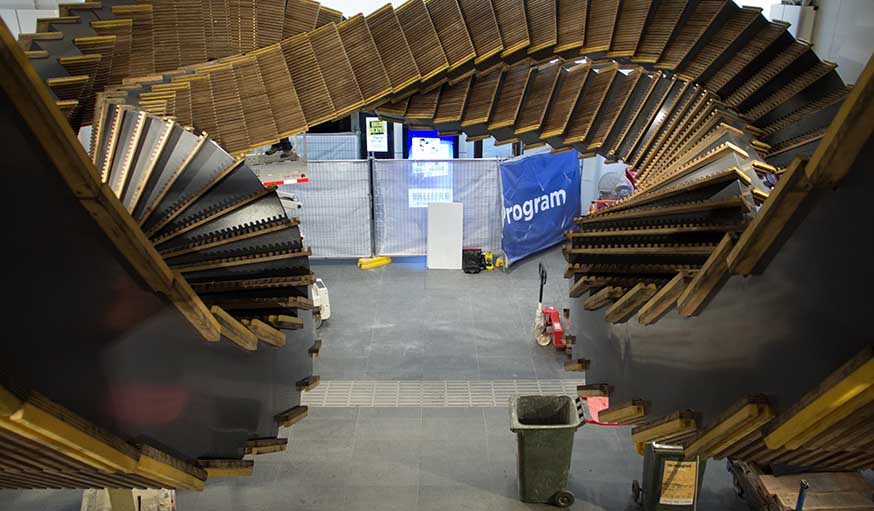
636 491
563 498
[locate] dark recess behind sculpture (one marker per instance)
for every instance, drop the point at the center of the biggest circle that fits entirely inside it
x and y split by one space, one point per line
778 333
93 338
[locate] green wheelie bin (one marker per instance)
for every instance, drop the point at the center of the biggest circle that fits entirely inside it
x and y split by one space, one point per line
545 428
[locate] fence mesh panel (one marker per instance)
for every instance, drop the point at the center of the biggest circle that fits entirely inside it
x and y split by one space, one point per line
327 146
335 218
403 188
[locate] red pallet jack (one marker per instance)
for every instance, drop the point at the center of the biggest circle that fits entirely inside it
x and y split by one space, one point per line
547 320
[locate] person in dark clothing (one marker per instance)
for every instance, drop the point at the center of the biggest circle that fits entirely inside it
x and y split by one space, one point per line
284 146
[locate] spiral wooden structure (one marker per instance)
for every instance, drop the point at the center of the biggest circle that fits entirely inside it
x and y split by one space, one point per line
709 105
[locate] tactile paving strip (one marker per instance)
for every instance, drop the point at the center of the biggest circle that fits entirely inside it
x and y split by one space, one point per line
431 394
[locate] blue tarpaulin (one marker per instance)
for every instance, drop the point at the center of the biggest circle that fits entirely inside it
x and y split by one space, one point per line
541 196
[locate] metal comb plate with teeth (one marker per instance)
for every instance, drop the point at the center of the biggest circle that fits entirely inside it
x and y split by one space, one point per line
179 146
230 235
267 206
288 238
232 192
280 264
209 162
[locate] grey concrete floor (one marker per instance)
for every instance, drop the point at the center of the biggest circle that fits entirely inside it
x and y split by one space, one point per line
402 322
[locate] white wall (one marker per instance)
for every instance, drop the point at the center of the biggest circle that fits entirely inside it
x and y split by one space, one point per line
844 34
20 15
35 4
593 169
765 5
353 7
490 150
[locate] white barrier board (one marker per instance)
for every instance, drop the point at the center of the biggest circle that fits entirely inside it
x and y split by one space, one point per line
444 235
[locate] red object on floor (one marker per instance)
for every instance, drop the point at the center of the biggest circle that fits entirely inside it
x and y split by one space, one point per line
595 406
553 327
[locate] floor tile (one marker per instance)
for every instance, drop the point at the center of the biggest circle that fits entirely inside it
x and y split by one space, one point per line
387 428
307 496
322 436
442 498
391 314
506 368
378 472
41 500
445 470
368 498
341 368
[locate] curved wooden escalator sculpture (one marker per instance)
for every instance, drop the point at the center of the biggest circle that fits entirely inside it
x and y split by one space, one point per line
708 103
161 326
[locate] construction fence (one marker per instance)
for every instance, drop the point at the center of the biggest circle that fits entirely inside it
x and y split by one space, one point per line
359 208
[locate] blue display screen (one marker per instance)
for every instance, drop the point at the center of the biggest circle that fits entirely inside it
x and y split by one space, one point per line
429 180
428 145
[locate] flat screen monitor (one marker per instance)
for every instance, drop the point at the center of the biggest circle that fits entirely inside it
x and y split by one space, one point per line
428 145
430 179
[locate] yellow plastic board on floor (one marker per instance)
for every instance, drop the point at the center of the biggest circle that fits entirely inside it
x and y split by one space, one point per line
366 263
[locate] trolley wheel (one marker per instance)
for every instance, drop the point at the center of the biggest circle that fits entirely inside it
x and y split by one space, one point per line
636 492
563 498
318 322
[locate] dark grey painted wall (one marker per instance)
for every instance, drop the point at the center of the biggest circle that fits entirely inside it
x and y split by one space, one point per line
83 330
779 333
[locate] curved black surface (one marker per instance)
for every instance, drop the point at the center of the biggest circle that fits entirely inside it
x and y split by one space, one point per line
778 333
84 331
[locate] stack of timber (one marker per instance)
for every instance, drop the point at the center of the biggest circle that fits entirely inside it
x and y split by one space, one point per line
829 428
211 220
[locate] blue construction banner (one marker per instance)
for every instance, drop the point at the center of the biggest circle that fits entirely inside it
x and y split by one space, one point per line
541 196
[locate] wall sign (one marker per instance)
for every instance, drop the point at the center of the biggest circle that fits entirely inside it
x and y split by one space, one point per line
377 135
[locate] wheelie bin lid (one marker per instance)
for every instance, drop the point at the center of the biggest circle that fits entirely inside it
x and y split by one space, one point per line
543 412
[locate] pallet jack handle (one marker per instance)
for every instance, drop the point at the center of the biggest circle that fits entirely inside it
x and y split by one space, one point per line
541 271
